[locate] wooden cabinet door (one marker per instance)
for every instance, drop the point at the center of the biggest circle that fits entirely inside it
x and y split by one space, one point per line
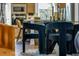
61 5
30 8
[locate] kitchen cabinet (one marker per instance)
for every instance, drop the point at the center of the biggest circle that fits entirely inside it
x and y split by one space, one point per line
19 10
30 8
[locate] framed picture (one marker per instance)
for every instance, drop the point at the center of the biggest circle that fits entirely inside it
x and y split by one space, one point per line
18 9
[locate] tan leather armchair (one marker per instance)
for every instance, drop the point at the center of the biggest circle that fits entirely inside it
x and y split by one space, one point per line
7 37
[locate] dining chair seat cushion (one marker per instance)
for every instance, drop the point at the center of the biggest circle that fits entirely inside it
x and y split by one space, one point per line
56 36
69 37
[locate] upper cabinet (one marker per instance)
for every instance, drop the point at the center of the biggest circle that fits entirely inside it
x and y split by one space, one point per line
30 8
19 10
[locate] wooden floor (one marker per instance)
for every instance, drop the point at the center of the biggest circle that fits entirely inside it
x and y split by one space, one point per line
32 50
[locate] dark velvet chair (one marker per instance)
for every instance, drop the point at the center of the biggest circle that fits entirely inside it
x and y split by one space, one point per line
61 36
76 29
40 35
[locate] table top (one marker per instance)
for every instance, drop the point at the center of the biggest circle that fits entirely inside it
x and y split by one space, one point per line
6 52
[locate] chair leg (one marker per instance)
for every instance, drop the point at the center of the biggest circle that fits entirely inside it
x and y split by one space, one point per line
51 48
23 46
62 44
42 42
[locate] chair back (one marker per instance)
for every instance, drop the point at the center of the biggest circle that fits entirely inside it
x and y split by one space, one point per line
40 35
60 28
59 25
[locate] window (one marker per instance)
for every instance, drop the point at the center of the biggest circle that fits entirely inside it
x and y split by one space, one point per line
68 12
2 12
44 11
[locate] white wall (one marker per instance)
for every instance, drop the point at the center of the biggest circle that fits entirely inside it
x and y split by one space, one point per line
76 12
36 8
43 5
68 12
8 13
